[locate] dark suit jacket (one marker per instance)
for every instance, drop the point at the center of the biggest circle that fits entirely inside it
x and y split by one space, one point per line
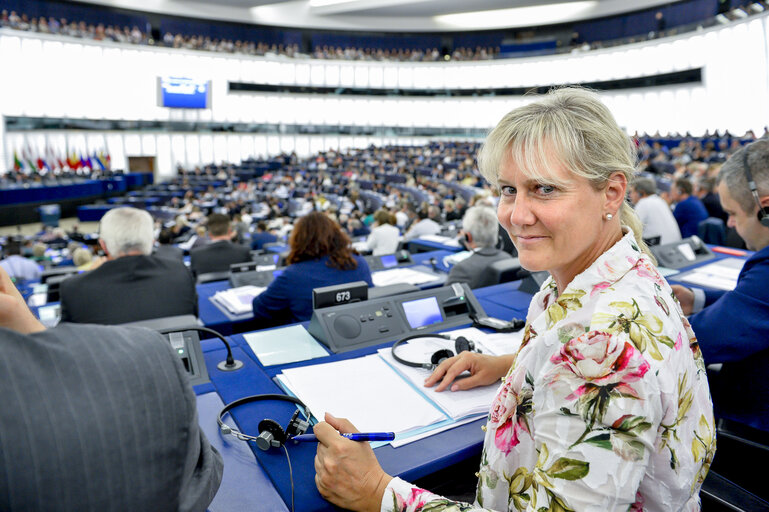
733 329
169 251
473 270
100 419
217 257
129 289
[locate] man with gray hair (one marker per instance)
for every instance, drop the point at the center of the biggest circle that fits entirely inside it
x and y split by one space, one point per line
732 327
654 212
480 229
131 285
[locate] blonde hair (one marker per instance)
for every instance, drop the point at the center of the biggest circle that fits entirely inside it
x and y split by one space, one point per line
569 126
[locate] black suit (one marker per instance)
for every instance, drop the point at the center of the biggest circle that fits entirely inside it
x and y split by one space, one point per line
473 270
128 289
218 256
169 251
100 418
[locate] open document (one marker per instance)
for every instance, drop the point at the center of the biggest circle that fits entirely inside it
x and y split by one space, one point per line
364 390
237 301
721 274
401 275
378 394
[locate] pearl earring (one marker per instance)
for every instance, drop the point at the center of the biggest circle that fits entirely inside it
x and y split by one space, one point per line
609 216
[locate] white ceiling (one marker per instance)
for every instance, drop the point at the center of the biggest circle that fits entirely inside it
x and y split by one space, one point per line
391 15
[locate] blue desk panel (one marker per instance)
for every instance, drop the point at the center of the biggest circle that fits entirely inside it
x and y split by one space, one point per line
419 244
245 485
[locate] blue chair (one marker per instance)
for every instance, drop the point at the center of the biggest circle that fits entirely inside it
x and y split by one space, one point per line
712 231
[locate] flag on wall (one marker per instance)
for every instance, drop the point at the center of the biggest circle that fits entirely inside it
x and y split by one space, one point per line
17 163
98 161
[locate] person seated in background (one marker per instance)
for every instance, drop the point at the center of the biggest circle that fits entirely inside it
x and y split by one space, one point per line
320 256
38 253
428 223
130 285
706 192
605 405
450 210
218 255
480 229
733 326
17 266
262 236
83 259
653 211
384 237
101 448
689 210
166 248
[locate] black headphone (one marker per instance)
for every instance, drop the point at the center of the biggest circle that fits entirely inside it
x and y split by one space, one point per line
271 434
461 344
763 215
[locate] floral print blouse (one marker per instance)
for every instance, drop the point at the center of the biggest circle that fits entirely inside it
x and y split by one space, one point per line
606 406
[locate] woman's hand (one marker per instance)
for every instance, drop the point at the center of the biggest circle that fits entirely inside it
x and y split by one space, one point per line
685 297
484 370
346 472
14 313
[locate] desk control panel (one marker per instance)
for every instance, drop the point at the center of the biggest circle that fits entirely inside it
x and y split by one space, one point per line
683 253
398 259
363 324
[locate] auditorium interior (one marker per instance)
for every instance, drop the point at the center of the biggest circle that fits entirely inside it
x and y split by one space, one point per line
295 195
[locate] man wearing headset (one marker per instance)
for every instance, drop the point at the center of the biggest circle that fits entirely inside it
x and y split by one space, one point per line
733 327
96 418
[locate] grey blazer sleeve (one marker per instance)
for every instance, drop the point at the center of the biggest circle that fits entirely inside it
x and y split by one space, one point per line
203 465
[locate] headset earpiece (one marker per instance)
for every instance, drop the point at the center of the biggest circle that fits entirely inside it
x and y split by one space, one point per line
296 426
763 217
440 356
462 344
271 435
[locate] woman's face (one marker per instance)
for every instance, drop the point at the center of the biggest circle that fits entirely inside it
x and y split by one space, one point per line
556 228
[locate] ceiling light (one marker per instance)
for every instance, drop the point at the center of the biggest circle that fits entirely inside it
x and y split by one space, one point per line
722 19
517 16
756 7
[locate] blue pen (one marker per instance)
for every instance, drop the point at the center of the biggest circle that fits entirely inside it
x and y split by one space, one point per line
360 436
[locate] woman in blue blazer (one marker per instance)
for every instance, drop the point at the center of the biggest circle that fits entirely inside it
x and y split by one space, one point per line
320 255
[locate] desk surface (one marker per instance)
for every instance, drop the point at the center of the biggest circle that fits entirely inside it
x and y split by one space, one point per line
412 461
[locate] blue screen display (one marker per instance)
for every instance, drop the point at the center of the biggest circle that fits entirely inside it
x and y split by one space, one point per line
422 312
389 261
184 92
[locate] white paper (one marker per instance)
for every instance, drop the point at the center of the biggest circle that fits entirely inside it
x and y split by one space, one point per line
284 345
445 240
456 404
364 390
401 275
402 441
496 344
721 274
238 300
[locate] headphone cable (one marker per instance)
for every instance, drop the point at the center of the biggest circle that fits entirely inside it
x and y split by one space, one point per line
290 476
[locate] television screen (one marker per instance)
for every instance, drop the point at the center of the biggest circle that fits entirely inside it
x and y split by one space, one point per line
178 92
422 312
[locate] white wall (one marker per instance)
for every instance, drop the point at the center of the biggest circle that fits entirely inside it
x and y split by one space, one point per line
78 79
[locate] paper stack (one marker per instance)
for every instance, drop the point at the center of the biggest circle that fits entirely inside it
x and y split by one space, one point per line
238 300
401 275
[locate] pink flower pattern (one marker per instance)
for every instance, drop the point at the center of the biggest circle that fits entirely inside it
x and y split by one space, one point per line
598 359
